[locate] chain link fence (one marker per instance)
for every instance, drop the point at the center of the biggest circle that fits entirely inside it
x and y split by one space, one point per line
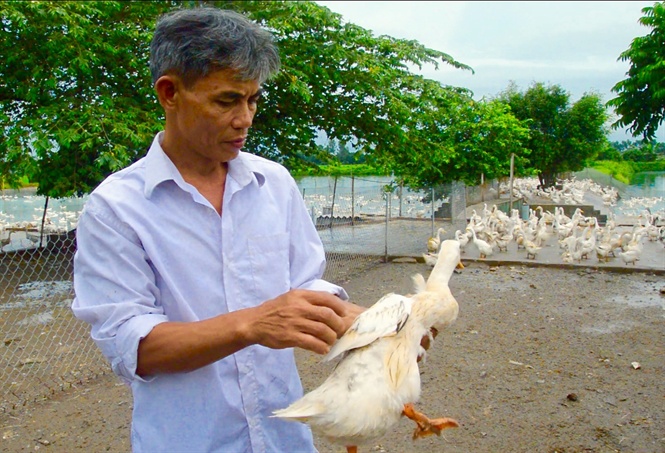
44 348
362 222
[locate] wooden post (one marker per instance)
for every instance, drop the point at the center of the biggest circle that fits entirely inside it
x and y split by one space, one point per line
332 206
41 232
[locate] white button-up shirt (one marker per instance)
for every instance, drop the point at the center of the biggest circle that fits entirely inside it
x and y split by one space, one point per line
152 249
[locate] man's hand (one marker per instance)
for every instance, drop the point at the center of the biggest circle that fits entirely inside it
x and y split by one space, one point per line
311 320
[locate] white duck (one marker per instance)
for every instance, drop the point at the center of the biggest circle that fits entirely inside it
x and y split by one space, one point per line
430 258
573 250
603 251
485 248
434 242
377 380
630 256
531 249
503 240
462 238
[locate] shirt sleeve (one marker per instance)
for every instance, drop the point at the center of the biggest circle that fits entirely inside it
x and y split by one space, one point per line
114 286
308 259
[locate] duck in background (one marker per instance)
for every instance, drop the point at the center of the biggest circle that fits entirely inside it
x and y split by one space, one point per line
462 238
434 242
485 248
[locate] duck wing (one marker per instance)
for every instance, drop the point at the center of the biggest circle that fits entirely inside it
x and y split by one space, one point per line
385 318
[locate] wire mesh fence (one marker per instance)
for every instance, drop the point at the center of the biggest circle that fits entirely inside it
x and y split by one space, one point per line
362 222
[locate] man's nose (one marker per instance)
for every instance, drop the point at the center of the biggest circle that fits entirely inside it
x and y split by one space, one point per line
243 117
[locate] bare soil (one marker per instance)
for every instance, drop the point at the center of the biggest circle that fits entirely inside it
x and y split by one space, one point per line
540 359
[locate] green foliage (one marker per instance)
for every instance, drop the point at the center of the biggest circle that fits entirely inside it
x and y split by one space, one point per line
609 152
563 137
455 138
640 151
341 79
341 170
623 145
640 101
657 165
76 101
642 154
343 152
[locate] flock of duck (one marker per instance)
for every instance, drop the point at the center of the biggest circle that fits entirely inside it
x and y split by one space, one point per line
33 225
578 237
20 235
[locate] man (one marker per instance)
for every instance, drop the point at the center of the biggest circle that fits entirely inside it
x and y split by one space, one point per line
198 266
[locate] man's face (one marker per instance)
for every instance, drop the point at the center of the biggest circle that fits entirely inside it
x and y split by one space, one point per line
214 115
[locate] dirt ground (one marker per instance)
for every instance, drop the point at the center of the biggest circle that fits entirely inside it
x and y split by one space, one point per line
540 359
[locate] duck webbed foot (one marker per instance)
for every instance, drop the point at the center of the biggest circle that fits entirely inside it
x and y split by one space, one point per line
426 426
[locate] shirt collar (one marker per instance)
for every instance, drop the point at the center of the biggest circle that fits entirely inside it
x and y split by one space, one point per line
160 168
244 170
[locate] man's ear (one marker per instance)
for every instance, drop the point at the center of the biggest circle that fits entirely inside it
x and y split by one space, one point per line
166 88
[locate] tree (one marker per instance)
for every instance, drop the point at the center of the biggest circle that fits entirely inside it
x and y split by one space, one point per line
609 152
340 151
345 154
646 152
75 97
562 137
467 140
640 101
76 102
338 78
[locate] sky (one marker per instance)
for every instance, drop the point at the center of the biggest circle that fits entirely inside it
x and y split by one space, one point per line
573 44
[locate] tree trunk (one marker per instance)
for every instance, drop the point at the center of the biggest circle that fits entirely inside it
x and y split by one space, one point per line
547 179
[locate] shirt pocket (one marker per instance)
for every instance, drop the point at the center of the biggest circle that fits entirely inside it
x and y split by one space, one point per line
269 259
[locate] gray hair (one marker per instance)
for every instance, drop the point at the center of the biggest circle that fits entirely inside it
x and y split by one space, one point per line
192 43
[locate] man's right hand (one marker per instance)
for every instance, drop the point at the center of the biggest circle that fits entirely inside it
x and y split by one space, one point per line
306 319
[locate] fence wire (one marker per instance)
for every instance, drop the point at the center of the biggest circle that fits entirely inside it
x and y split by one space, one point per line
362 222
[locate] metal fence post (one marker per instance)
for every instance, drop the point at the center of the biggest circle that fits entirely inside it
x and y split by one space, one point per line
385 251
432 204
401 188
353 200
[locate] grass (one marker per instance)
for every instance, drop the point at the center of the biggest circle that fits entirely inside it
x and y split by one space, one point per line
621 171
625 171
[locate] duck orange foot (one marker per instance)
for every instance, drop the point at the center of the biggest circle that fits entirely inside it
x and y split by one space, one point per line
426 426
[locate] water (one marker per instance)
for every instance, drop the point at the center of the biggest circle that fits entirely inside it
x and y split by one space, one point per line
647 190
20 206
362 195
648 184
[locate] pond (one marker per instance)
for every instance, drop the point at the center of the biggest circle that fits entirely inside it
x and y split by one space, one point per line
24 205
647 190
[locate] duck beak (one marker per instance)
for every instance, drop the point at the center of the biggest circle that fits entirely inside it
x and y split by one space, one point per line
460 265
